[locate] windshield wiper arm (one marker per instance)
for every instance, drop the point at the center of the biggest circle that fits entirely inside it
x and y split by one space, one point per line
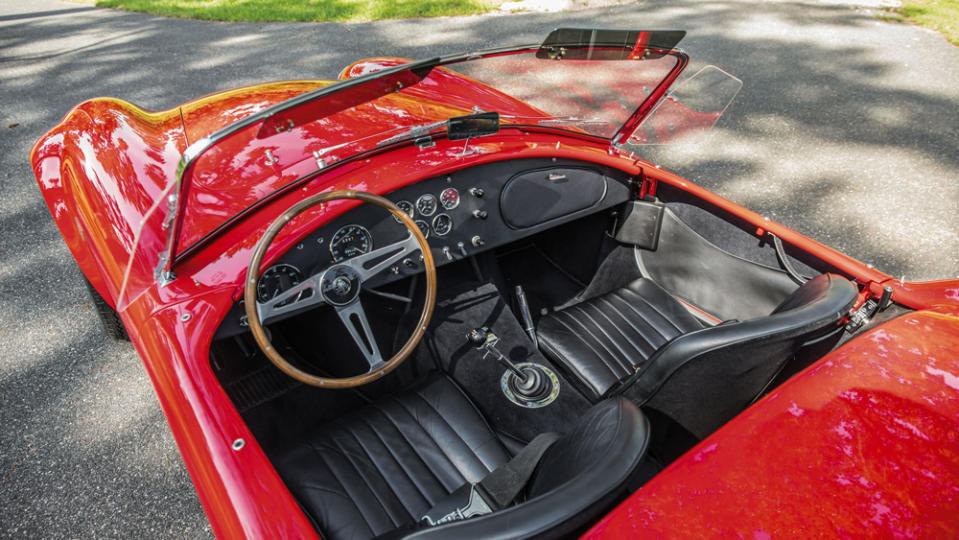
414 132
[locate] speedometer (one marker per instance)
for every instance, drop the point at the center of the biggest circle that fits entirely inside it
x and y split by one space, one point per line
350 241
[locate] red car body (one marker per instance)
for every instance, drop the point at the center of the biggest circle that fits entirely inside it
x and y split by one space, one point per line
863 443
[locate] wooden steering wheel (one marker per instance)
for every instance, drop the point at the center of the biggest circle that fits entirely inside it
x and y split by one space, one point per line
339 286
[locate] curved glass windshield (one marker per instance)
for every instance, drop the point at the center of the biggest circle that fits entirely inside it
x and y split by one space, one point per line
592 83
586 95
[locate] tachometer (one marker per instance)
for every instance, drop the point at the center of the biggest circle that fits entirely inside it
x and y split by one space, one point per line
405 206
426 205
350 241
450 198
277 279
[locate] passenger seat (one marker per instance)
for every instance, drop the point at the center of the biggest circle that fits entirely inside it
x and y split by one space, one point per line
642 342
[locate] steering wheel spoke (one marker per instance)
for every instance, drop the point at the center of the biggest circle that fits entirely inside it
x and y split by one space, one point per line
378 260
301 296
354 318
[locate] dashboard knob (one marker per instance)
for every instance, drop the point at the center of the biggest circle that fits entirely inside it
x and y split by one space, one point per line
477 241
476 192
480 214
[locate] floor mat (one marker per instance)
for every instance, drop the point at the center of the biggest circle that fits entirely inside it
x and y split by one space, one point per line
546 284
260 386
481 305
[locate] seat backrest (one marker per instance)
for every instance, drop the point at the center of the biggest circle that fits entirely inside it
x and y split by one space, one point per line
704 378
578 479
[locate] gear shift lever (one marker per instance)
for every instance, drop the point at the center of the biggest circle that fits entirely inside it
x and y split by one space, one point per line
530 383
485 340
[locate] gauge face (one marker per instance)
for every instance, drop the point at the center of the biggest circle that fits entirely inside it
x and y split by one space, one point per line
277 279
442 224
450 198
426 205
350 241
405 206
424 227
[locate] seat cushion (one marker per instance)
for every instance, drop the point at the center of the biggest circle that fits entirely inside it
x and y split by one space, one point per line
579 478
385 465
606 339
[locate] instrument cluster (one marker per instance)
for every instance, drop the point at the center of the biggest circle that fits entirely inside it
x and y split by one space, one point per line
429 212
462 214
424 211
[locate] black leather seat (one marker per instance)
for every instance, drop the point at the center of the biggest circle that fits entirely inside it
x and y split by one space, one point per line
642 342
606 339
379 469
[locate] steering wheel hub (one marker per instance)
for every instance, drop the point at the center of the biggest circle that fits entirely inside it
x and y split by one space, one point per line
340 285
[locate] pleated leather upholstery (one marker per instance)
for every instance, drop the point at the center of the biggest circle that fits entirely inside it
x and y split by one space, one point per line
606 339
384 466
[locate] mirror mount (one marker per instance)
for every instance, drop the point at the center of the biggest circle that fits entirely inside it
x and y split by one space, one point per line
469 126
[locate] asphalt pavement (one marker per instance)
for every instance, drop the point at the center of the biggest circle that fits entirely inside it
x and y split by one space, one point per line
847 129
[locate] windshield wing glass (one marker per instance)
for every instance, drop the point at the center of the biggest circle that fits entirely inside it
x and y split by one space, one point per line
598 90
689 110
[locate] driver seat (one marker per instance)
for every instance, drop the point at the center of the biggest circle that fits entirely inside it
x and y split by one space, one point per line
379 469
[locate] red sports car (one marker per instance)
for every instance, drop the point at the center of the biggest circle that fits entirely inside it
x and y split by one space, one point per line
448 298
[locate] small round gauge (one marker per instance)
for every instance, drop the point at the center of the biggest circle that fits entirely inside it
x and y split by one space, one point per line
277 279
450 198
350 241
405 206
424 227
442 224
426 205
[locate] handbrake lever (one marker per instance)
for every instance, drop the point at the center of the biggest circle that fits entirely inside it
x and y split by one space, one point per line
525 314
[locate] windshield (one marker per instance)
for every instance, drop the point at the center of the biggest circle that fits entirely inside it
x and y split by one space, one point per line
593 83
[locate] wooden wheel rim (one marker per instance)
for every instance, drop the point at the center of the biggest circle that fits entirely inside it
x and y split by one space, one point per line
253 274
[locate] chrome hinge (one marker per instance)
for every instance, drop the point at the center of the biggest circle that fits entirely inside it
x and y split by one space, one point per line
861 316
424 142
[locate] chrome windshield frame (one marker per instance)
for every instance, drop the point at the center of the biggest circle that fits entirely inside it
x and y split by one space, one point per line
169 257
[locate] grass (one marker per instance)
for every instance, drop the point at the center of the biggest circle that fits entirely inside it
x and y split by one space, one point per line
303 10
939 15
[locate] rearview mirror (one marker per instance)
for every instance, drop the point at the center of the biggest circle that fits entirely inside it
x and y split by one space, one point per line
473 125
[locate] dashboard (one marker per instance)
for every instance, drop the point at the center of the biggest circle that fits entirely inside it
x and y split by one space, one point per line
461 214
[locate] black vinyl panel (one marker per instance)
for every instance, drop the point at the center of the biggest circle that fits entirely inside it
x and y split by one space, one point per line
697 271
733 234
540 196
